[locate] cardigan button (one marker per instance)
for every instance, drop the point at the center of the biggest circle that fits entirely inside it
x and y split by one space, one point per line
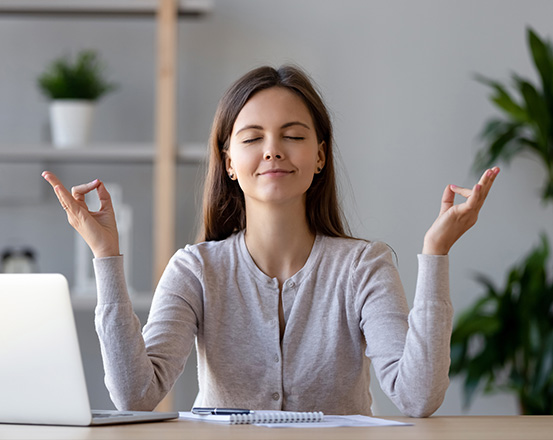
276 396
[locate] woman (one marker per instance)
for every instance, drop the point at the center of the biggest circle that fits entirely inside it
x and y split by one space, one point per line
286 309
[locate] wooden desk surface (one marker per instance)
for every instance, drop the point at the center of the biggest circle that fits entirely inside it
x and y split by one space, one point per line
439 428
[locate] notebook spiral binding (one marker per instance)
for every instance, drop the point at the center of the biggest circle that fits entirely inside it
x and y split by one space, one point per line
276 417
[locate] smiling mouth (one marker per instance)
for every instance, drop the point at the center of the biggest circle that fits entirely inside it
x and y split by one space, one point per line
275 172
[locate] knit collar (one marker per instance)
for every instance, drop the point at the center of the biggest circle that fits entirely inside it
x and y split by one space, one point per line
297 278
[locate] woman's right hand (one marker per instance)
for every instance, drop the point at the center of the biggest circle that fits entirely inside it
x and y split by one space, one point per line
99 228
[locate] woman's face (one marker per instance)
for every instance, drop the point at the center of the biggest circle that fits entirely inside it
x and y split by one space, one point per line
273 150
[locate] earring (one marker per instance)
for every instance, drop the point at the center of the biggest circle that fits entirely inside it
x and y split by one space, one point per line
319 169
231 175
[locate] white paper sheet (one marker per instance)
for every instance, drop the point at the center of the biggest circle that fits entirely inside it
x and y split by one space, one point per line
340 421
329 421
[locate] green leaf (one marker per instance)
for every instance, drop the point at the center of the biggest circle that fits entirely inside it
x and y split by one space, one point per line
503 145
469 389
537 110
459 358
543 60
503 100
477 324
533 145
544 370
491 290
547 192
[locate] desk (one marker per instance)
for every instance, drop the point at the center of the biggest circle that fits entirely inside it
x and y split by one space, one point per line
439 428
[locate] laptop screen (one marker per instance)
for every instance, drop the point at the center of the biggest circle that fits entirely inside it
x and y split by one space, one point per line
41 373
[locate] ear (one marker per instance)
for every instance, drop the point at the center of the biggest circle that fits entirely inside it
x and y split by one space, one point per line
321 157
229 168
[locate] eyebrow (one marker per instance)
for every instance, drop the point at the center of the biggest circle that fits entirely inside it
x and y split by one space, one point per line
288 124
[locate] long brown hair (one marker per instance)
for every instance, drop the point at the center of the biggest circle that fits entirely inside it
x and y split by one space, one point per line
224 210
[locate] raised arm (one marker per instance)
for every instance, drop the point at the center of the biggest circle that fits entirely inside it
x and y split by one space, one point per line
140 370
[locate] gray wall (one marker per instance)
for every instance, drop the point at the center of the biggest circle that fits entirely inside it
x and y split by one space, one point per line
397 76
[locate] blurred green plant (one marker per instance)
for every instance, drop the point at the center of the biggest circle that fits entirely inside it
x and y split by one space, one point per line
505 340
526 124
82 78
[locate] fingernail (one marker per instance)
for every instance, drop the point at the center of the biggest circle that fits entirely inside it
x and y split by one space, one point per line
453 186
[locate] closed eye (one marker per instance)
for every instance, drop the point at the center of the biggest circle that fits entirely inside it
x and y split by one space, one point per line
295 138
249 141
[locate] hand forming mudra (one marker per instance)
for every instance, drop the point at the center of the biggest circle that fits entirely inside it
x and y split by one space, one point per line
98 228
454 220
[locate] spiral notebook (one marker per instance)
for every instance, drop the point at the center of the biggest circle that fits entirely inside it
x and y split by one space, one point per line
259 417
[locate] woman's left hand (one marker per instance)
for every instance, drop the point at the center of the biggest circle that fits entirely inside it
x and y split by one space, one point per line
454 220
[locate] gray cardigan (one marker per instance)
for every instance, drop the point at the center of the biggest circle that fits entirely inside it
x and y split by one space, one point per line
345 308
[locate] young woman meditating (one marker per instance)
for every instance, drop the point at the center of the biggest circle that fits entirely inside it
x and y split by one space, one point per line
286 309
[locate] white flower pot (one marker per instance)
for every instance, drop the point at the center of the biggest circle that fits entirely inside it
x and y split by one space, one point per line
70 121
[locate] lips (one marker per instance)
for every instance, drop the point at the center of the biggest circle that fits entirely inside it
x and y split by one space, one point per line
275 172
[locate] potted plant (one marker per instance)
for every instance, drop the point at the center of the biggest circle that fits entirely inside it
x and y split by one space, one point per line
73 87
505 340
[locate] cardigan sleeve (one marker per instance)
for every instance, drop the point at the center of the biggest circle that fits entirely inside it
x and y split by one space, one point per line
410 350
141 367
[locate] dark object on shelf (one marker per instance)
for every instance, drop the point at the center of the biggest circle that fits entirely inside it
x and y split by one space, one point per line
20 260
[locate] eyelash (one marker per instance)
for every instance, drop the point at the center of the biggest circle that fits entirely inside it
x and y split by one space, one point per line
294 138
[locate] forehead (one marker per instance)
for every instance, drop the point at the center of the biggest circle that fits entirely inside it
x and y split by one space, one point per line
276 105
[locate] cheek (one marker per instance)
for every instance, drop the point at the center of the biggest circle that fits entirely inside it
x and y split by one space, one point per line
242 163
308 161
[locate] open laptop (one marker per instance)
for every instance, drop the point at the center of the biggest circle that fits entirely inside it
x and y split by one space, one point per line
41 373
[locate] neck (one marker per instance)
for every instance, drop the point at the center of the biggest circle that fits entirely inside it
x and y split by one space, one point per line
278 239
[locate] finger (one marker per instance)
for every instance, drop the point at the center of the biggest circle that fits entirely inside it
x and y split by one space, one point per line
448 199
51 178
485 184
476 200
487 179
79 191
104 196
65 199
489 175
61 192
465 192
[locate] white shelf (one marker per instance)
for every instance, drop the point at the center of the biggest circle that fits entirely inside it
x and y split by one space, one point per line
98 153
126 8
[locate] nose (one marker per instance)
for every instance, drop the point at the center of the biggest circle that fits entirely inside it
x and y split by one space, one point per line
269 156
273 151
